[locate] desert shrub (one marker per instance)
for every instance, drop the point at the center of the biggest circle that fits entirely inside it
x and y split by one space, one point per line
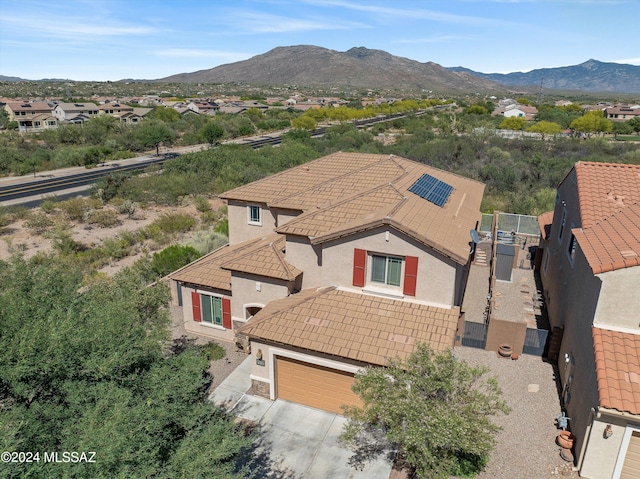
172 258
39 223
48 205
202 204
212 351
223 227
104 218
76 208
64 243
172 223
206 241
208 217
115 248
127 207
132 237
19 213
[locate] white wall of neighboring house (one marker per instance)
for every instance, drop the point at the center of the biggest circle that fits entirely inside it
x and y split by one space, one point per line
619 303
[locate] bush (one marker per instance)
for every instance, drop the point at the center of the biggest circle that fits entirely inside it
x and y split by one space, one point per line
104 218
172 258
76 208
48 205
127 207
39 223
172 223
206 241
202 204
223 227
212 351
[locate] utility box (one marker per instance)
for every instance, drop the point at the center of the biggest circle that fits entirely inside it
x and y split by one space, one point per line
505 260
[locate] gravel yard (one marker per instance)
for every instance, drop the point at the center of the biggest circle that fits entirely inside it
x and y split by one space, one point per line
526 446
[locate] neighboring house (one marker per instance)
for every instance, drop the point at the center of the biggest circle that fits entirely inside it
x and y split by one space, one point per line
203 106
621 113
28 114
333 265
134 116
75 112
516 110
590 272
115 109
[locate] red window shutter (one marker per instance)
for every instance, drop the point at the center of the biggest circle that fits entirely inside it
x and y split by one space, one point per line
410 275
359 262
226 313
195 305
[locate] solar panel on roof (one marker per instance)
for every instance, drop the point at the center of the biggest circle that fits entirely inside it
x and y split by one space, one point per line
432 189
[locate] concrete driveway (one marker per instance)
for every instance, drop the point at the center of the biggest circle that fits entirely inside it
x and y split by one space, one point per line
294 441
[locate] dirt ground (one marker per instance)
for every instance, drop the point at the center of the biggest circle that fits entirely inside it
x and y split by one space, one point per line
16 237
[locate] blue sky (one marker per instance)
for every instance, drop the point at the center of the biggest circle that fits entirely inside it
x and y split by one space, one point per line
149 39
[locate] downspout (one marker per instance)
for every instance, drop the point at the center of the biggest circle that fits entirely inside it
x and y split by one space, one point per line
592 416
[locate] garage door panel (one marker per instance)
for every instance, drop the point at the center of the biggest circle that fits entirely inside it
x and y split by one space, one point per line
631 467
313 385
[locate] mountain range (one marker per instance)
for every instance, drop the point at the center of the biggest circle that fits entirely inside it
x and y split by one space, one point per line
360 67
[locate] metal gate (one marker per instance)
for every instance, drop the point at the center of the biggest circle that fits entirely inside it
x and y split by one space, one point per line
535 341
475 334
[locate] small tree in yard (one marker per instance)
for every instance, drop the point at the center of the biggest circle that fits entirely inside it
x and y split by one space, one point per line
435 409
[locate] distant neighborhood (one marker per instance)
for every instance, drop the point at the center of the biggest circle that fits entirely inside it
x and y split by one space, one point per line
41 114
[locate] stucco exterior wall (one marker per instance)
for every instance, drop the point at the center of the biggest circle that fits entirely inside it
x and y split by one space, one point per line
284 216
558 275
578 309
619 299
239 228
602 454
204 329
439 280
249 290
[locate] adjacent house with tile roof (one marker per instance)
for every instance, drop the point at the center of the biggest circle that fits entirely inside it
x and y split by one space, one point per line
31 116
75 112
334 265
590 273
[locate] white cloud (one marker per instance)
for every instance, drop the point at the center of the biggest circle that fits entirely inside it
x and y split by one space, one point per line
434 39
260 22
629 61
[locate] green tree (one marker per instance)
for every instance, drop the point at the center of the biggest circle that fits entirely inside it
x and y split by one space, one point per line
172 258
162 113
592 122
87 367
635 124
545 127
304 122
513 123
211 133
434 408
152 133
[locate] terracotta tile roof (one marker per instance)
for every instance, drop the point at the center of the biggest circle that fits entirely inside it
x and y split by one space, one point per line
605 188
353 325
618 369
544 221
214 269
446 228
614 242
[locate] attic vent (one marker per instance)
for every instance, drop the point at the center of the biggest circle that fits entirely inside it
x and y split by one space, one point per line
432 189
632 377
400 338
628 253
78 105
317 322
26 105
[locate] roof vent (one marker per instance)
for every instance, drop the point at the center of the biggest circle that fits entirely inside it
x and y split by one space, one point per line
628 253
317 322
400 338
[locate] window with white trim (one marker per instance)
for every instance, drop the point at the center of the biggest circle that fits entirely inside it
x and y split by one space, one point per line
255 216
211 307
386 270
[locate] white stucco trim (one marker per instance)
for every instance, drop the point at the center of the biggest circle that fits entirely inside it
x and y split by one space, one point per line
406 299
327 363
622 455
617 329
259 378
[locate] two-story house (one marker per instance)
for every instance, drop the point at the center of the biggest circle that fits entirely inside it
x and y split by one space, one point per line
590 271
75 112
31 116
333 265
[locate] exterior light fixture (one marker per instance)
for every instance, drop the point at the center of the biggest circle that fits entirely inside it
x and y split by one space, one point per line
608 431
